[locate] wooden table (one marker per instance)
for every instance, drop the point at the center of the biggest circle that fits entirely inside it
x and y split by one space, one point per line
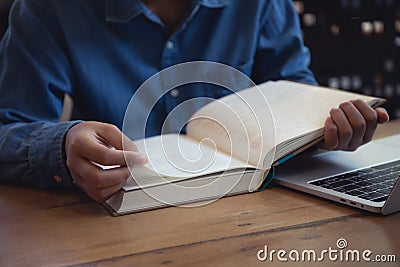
39 228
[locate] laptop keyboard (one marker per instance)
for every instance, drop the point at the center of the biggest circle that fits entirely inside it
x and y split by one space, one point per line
372 183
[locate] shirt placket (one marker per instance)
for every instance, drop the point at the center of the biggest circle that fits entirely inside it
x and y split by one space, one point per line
171 55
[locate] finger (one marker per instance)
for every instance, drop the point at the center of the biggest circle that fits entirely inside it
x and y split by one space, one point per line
112 177
109 135
92 150
84 186
99 195
94 175
383 116
345 131
331 139
106 193
370 117
100 154
128 144
78 181
357 122
99 178
114 138
135 158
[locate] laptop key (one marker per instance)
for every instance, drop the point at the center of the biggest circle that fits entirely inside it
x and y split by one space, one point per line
390 183
339 189
364 183
356 179
355 193
379 199
371 196
346 175
347 188
319 182
385 191
378 179
379 186
385 172
341 183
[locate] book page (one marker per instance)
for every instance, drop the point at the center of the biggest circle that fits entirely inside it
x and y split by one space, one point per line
240 124
175 157
250 123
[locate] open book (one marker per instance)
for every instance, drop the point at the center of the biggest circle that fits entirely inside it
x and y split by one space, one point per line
230 145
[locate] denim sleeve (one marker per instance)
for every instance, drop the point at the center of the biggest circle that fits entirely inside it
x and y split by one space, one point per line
32 154
34 77
281 53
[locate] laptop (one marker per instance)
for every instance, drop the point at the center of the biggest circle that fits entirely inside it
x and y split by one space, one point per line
367 178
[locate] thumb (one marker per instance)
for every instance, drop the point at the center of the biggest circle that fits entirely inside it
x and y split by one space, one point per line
383 116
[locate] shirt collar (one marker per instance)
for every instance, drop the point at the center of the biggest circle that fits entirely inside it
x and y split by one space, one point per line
124 10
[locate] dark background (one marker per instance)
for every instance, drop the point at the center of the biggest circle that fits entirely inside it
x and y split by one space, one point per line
355 44
4 7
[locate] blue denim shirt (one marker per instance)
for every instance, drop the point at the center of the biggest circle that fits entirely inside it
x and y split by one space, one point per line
101 51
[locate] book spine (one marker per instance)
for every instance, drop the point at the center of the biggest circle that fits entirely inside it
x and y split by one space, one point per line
270 175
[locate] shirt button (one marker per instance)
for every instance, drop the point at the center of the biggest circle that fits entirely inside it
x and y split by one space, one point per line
58 178
170 45
174 93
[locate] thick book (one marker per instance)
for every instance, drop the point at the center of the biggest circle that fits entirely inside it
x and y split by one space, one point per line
231 145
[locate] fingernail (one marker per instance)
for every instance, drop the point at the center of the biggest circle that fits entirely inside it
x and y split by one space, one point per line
140 160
